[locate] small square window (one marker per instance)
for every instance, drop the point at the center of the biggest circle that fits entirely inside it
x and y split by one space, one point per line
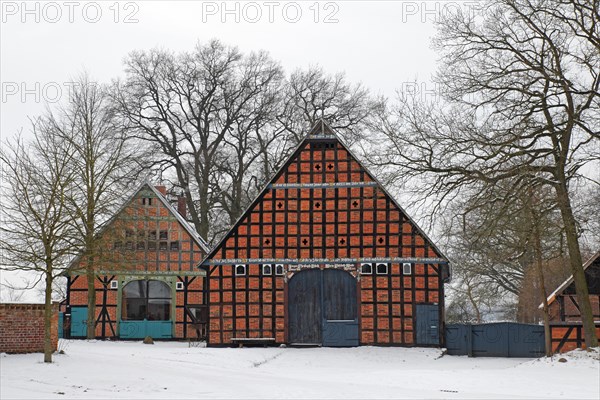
162 245
140 245
129 245
366 268
152 235
163 235
382 268
240 270
407 268
151 245
279 269
174 246
117 245
179 286
128 233
267 269
114 284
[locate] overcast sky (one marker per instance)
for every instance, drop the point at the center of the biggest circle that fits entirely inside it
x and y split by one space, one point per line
43 45
383 44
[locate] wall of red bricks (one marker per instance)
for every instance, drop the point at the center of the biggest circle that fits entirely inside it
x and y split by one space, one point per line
22 328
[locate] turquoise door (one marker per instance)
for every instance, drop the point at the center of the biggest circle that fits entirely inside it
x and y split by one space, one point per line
146 310
141 329
61 321
79 321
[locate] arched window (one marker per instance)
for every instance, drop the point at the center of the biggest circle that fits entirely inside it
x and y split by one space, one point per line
146 300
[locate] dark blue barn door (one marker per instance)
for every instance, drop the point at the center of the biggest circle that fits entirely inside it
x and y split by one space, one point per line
304 307
428 324
322 308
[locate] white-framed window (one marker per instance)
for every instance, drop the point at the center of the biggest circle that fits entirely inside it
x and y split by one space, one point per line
114 284
406 268
279 269
381 268
240 270
267 269
178 285
366 269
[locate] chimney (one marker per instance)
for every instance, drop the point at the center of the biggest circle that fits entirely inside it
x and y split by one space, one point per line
161 189
181 206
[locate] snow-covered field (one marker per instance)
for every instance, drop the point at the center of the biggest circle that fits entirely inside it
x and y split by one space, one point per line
94 369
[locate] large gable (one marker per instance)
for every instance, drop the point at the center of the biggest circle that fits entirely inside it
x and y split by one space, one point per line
148 233
324 206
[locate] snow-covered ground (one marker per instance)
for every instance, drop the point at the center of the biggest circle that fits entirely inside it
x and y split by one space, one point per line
94 369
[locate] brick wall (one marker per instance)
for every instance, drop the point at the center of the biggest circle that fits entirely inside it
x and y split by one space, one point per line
22 328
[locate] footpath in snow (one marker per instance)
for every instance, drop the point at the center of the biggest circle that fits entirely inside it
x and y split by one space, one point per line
132 370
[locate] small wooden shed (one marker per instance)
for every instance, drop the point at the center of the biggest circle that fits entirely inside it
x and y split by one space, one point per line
565 317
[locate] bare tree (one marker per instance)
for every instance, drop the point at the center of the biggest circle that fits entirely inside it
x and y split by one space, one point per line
521 101
193 107
10 293
103 164
313 94
37 230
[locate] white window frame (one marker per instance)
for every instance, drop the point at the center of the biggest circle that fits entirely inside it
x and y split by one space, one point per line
406 269
236 270
114 284
282 269
363 265
267 265
377 269
178 285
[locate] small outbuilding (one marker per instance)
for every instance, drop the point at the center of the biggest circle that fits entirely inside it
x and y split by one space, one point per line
565 316
562 302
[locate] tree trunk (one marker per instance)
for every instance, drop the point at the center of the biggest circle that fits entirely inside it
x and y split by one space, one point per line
48 350
537 241
91 299
204 213
474 304
581 288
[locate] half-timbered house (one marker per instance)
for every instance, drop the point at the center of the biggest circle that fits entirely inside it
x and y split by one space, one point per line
147 281
325 256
